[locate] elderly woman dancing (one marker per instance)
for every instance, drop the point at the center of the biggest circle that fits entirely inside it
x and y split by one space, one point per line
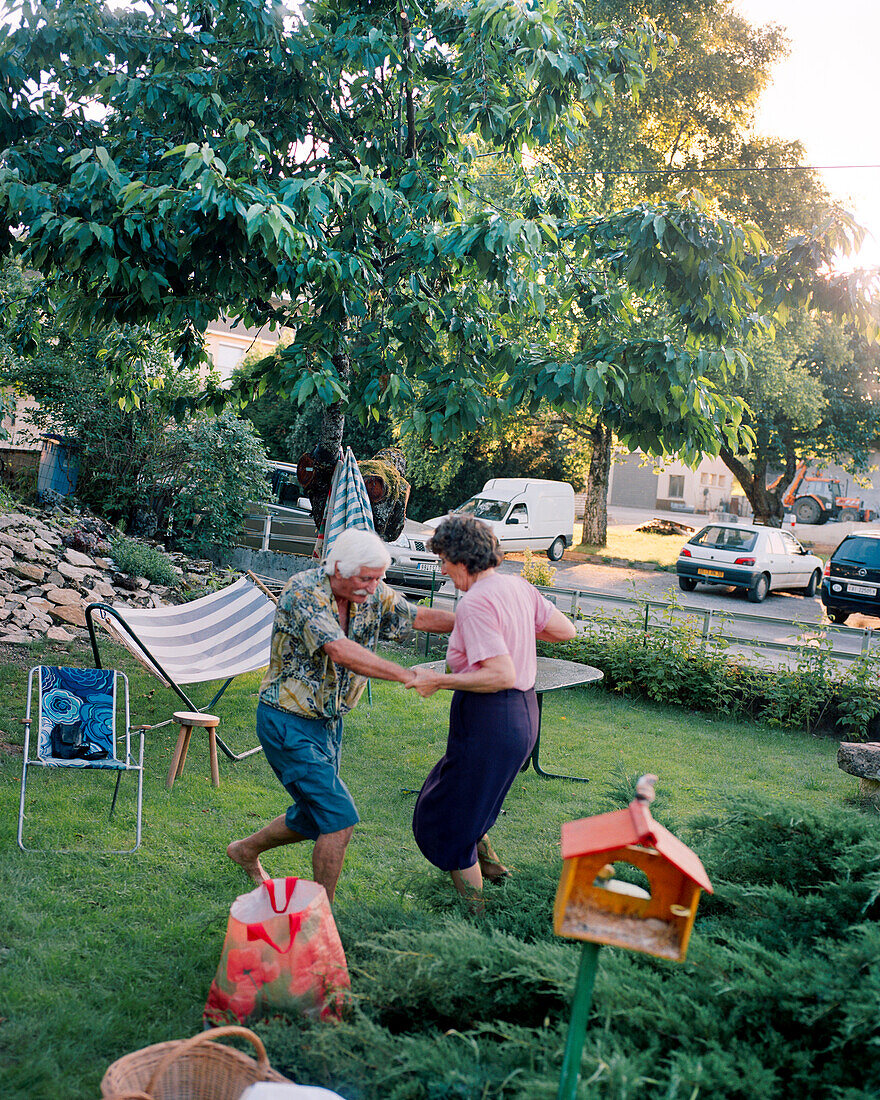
493 719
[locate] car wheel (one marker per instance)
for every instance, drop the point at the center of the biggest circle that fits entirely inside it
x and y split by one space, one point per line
837 615
687 584
758 592
848 515
557 549
807 511
813 586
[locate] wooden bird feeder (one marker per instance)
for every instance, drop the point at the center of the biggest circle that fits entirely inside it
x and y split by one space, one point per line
594 906
591 904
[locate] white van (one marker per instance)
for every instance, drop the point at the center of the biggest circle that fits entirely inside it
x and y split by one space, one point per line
525 513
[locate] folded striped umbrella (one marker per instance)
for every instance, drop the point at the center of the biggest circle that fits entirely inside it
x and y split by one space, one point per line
349 505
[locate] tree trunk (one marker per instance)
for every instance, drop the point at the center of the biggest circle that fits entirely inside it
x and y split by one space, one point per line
766 501
333 421
595 529
328 448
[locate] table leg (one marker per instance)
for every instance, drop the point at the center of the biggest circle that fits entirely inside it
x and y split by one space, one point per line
533 759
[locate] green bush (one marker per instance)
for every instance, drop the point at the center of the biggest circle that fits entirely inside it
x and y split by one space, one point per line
669 663
139 560
221 466
537 571
778 997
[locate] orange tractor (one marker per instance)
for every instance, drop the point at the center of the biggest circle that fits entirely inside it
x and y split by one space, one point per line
819 499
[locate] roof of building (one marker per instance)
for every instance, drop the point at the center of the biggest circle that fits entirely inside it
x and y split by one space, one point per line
634 825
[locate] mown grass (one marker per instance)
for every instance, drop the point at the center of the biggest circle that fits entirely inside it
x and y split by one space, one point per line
102 954
626 544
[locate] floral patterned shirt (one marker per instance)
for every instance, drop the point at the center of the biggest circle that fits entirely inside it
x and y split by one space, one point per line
301 677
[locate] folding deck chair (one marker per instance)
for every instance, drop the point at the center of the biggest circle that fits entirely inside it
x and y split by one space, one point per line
76 712
217 637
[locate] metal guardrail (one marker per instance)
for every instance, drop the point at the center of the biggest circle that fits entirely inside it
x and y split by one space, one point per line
714 621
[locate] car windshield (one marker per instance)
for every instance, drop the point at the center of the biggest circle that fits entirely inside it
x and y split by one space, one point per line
726 538
859 551
482 508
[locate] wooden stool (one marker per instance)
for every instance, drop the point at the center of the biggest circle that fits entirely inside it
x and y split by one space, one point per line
187 720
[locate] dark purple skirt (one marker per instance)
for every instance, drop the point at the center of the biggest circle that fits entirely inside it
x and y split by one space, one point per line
490 738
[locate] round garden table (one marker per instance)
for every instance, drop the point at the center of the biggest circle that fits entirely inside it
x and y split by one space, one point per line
553 675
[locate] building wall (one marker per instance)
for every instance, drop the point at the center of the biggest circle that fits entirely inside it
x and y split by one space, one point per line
641 482
18 430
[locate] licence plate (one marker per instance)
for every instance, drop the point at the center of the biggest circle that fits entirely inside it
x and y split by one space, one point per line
709 573
861 590
427 566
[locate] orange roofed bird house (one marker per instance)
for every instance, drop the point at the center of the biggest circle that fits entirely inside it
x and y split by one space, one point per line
593 905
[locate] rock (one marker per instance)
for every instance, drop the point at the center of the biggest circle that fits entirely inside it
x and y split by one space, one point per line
28 570
19 546
862 760
76 558
16 637
101 593
54 577
63 596
59 634
71 572
38 604
67 613
126 583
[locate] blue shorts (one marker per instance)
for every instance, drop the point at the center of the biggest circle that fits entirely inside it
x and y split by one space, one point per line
304 753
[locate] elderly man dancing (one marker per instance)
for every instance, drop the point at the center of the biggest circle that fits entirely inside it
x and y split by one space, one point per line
326 627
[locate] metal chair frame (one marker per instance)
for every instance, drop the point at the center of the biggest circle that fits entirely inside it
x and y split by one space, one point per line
114 763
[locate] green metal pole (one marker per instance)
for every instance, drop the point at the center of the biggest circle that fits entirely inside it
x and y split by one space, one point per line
577 1029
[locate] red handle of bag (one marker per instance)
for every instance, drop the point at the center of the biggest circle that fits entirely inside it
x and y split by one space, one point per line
289 887
258 932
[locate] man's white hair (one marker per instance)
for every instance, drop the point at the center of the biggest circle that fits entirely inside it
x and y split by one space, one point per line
353 549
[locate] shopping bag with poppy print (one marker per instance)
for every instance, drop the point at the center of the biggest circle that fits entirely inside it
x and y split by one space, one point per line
282 953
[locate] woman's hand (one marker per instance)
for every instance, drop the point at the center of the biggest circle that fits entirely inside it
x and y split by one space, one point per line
424 681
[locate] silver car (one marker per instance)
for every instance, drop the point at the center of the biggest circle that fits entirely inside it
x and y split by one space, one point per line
756 559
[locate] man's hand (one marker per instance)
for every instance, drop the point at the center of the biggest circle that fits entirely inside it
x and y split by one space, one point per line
424 681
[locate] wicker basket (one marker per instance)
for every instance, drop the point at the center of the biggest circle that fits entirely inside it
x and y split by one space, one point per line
189 1069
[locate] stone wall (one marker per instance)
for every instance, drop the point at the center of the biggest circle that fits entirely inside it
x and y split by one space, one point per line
45 585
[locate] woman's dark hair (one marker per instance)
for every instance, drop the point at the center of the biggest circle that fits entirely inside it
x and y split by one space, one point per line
466 541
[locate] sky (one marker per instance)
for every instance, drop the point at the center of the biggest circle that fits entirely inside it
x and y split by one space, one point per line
826 94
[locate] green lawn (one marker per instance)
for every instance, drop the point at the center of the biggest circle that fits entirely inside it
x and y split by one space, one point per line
629 545
626 544
101 954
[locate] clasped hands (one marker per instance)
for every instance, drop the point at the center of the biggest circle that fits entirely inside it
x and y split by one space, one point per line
423 680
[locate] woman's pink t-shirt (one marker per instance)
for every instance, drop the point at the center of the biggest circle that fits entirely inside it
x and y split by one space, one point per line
497 615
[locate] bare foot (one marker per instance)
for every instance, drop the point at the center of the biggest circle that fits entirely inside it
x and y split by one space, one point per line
493 870
238 852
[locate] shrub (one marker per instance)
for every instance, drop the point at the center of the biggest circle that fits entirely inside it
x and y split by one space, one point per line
139 560
536 571
778 997
221 466
670 663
